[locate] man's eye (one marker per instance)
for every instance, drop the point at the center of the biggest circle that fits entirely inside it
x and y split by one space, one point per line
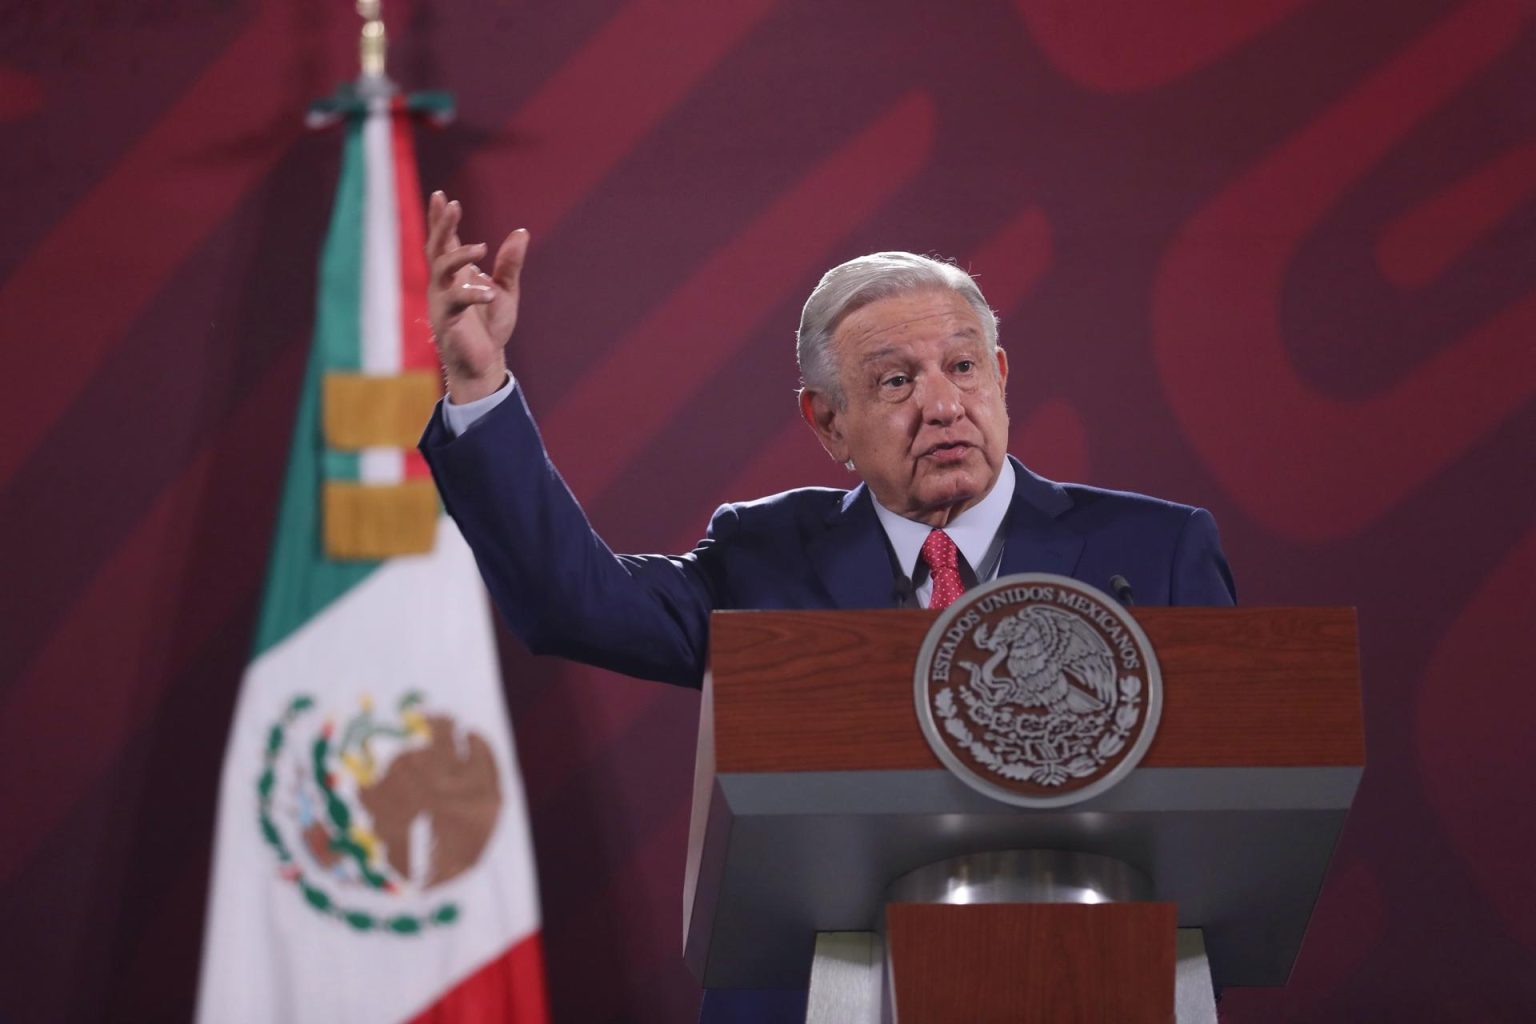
965 366
897 380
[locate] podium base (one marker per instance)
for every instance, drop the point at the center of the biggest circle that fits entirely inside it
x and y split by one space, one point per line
848 980
1015 935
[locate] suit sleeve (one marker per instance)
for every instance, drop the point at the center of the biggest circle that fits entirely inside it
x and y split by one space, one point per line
1200 574
554 580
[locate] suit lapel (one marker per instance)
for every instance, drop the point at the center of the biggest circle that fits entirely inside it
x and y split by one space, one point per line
854 563
851 557
1035 540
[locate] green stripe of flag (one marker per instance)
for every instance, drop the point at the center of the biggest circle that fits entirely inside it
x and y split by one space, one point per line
301 581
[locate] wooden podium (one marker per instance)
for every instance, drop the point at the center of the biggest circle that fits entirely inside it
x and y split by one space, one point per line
815 790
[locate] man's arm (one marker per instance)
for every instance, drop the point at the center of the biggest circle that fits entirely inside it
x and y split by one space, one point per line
555 582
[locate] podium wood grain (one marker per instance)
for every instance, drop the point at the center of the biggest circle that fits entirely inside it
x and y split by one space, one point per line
833 691
1020 963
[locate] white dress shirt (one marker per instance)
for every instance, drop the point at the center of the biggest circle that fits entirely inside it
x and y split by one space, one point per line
977 532
459 418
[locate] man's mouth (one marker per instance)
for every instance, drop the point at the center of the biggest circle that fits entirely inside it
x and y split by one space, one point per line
949 451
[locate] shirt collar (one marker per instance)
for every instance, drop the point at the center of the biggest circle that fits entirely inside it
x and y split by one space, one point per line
973 530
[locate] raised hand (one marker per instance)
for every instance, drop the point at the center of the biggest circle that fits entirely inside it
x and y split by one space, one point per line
472 313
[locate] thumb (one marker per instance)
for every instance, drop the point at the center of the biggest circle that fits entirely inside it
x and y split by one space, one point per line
509 260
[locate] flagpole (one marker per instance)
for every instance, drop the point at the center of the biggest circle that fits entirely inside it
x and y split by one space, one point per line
372 51
373 82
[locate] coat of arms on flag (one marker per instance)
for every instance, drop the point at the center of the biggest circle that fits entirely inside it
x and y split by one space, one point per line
388 807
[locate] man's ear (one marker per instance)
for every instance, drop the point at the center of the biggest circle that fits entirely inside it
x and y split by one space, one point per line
1002 369
821 414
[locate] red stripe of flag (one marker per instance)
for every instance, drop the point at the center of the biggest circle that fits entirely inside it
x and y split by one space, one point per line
508 990
416 352
416 349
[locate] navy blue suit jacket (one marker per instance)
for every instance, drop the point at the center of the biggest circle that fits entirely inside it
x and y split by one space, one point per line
564 592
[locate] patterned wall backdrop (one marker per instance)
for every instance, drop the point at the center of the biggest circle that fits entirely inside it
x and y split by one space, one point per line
1275 257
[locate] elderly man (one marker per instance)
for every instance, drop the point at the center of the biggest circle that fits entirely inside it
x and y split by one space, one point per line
904 383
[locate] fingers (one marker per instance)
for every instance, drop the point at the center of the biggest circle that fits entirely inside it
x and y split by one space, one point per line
454 300
509 260
456 282
471 294
469 287
451 262
442 219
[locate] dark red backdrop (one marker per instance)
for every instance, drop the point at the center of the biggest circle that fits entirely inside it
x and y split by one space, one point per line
1272 257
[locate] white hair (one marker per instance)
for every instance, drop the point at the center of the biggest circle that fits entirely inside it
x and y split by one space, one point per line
859 282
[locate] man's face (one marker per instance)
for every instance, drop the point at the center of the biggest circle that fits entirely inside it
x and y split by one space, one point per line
923 417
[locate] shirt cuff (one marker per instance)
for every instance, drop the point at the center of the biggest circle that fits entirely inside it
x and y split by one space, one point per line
459 418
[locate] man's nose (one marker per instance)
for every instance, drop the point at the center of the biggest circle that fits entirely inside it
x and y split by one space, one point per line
940 399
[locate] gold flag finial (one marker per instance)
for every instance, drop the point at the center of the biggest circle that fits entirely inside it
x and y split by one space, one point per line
373 44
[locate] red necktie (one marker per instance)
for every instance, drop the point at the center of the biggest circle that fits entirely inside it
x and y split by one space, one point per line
940 554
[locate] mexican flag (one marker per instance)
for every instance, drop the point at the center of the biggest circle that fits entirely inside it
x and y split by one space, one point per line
371 860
